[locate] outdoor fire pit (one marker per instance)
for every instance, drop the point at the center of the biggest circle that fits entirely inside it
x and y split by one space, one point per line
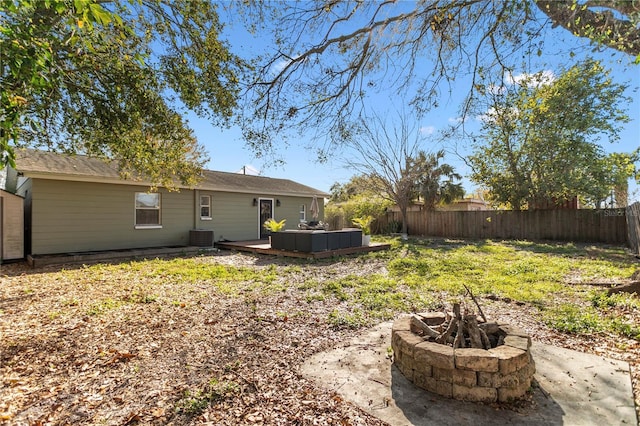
500 369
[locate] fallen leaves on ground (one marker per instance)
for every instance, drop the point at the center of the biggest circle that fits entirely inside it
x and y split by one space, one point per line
84 349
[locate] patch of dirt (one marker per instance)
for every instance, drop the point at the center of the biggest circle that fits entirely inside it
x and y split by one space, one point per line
188 354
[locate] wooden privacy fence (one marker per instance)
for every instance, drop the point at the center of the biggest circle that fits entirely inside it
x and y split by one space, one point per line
601 226
633 225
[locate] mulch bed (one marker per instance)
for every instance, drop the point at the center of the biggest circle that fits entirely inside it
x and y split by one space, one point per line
204 358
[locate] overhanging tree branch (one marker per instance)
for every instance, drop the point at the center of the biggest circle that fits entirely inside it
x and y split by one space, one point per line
602 26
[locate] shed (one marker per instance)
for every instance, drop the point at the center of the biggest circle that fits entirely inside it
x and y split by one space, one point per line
11 226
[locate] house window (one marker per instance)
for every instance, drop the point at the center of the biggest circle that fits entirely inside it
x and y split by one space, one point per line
205 207
303 213
147 210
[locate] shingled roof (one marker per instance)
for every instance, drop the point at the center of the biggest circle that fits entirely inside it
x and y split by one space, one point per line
50 165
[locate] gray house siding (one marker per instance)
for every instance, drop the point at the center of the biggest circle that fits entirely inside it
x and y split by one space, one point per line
71 216
75 204
235 218
24 190
290 209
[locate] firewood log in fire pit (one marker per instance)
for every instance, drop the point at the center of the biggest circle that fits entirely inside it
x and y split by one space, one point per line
459 331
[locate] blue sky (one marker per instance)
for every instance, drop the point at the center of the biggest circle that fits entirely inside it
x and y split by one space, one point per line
227 151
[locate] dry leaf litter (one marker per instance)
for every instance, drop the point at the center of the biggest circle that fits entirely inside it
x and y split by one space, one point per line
193 354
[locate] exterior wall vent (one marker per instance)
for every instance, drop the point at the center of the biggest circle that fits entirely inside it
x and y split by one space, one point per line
201 237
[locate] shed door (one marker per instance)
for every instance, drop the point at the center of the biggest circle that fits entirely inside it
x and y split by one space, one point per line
266 212
11 227
1 237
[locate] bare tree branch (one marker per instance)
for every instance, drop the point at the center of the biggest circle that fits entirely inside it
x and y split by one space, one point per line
333 58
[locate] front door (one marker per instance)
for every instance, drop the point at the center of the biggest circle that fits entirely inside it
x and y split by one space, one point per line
266 212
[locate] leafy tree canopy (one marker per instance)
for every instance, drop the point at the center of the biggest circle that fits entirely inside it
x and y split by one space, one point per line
331 57
540 138
360 184
108 78
618 167
436 183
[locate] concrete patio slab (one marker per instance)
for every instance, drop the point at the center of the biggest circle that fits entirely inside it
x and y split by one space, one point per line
573 388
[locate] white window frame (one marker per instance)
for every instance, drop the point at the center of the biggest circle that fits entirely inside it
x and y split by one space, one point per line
158 207
303 212
208 205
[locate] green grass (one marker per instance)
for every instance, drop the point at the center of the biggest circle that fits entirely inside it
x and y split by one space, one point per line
190 273
600 299
352 319
528 272
375 296
422 274
570 318
195 402
104 306
487 269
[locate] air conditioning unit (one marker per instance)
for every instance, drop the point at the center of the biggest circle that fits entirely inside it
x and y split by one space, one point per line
201 237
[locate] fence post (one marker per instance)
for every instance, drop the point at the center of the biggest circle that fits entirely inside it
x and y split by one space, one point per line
633 227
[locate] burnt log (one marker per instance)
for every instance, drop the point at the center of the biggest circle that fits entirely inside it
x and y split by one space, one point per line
485 339
633 287
459 341
456 311
476 302
490 327
446 335
419 327
471 325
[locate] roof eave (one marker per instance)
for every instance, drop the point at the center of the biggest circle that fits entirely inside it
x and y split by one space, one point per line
83 178
121 181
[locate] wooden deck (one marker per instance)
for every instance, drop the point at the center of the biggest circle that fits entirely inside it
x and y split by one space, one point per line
38 261
263 247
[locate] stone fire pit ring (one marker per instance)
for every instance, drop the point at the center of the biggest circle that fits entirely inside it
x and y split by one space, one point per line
501 374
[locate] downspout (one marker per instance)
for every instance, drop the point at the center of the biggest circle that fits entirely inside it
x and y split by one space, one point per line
196 197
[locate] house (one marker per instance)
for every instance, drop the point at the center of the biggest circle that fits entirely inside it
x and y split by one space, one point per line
466 204
414 206
80 204
552 203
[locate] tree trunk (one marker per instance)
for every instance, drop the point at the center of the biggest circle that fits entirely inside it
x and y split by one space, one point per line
403 215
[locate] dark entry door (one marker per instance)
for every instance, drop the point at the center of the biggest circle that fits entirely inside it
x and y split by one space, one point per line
266 212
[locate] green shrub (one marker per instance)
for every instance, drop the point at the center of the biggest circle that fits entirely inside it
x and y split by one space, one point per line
273 225
341 215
